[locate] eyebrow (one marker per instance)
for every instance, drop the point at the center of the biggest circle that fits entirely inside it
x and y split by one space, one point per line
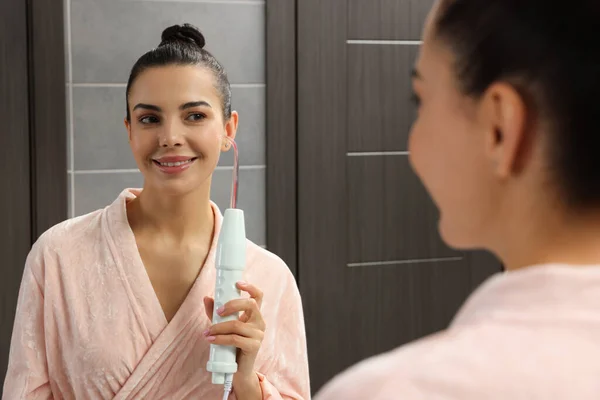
415 74
146 107
190 104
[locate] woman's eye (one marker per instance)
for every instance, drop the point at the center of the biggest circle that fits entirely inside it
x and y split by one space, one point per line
196 117
148 119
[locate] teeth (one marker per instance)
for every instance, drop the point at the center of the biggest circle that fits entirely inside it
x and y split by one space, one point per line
175 164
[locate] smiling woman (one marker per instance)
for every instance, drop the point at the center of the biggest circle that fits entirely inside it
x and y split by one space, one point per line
171 106
116 304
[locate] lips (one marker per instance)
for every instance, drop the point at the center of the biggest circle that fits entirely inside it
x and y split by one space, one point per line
174 164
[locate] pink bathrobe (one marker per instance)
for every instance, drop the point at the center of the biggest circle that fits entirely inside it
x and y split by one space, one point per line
89 325
532 334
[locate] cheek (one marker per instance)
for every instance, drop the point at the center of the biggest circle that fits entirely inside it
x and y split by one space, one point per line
206 140
209 138
447 155
442 155
428 151
142 146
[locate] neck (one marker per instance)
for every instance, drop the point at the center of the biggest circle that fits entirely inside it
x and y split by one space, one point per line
181 218
552 237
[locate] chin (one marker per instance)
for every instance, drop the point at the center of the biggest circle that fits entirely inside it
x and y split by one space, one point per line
180 184
455 238
174 187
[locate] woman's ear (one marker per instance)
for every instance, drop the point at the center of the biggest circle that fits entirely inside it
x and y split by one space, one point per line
230 130
128 127
505 121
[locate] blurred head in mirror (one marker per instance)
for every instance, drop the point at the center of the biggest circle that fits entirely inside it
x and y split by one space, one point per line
506 143
179 111
505 140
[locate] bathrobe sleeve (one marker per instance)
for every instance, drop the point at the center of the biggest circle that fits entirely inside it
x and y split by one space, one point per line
27 374
284 373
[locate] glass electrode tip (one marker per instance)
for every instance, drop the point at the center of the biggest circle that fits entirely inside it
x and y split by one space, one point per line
234 182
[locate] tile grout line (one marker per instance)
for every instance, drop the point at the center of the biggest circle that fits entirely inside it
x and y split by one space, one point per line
135 170
123 85
71 117
240 2
388 42
242 167
377 153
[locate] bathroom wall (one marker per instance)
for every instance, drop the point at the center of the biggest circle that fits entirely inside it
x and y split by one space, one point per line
103 40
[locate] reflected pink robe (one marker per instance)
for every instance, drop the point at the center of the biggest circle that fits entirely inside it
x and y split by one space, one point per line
89 324
531 334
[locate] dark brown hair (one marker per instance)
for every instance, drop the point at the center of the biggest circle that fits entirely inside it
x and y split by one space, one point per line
183 45
548 51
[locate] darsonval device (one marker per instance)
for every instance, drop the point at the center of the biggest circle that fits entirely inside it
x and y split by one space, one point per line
230 263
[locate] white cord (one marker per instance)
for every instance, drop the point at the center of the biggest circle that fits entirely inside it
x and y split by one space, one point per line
227 386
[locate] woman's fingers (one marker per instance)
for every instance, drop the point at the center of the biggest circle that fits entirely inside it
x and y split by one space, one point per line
249 307
246 332
252 290
235 327
245 344
245 337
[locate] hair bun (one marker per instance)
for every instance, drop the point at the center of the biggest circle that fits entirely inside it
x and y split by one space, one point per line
186 33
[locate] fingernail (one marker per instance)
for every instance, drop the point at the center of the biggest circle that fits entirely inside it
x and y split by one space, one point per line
220 310
211 338
206 332
242 283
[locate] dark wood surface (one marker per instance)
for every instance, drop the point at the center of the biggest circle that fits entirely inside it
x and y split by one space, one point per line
380 110
281 131
391 216
48 114
32 142
374 273
322 210
15 230
396 19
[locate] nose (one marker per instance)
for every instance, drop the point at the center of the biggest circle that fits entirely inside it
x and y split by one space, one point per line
171 135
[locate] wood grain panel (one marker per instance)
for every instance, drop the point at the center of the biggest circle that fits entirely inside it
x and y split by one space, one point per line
483 265
391 216
358 208
48 115
387 19
366 187
281 131
322 208
381 308
15 230
380 112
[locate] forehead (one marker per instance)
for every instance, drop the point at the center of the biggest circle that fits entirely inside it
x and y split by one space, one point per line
174 83
433 60
433 65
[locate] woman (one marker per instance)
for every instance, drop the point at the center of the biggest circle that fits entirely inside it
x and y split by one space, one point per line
506 142
116 304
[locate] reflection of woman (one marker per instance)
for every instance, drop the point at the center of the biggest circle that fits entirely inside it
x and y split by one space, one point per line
506 142
112 304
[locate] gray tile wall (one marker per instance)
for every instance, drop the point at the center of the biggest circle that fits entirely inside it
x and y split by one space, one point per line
104 38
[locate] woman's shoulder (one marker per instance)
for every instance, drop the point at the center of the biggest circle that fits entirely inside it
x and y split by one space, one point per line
266 268
259 257
67 240
395 373
70 233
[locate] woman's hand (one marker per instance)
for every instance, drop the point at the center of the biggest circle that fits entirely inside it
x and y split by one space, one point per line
245 333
